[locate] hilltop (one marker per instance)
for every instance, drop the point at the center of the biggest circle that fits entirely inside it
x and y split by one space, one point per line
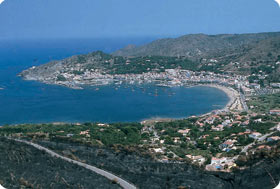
203 46
238 53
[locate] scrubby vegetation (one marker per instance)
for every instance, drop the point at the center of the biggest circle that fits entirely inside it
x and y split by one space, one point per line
23 166
144 64
265 103
118 133
125 153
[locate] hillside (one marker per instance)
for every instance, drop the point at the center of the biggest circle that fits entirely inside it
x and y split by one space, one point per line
23 166
199 45
99 68
238 53
257 55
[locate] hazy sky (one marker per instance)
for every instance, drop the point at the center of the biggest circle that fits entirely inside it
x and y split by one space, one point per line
121 18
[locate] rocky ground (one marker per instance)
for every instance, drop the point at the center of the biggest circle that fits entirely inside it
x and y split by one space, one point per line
23 166
147 173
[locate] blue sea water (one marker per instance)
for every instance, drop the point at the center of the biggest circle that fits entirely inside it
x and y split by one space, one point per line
32 102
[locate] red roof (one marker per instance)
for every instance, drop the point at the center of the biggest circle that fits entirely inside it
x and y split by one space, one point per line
275 111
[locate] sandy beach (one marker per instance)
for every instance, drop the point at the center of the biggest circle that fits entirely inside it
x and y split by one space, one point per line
234 96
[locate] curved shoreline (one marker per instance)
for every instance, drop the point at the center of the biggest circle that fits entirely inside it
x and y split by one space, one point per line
232 94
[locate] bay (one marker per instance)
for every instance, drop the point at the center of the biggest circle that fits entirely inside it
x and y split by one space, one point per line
33 102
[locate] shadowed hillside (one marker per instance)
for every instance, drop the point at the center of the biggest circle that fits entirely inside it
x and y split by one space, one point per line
23 166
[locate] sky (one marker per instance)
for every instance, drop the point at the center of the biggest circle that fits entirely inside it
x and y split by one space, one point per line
22 19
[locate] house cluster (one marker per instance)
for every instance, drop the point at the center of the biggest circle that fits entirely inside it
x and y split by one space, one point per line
217 122
275 112
221 164
197 159
273 138
255 135
228 145
220 121
85 133
158 150
275 85
255 88
102 125
79 75
184 132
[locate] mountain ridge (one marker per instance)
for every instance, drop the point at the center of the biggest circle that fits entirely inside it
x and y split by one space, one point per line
256 55
196 46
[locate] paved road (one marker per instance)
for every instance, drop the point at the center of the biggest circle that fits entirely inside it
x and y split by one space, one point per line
247 147
243 102
268 134
265 136
110 176
260 139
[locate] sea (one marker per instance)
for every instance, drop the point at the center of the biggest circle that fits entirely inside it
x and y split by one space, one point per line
33 102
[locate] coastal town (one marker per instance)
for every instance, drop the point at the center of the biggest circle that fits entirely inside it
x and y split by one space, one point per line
216 140
78 77
225 134
140 94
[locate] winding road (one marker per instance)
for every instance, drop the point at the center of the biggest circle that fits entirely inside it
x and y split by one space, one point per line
123 183
261 139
